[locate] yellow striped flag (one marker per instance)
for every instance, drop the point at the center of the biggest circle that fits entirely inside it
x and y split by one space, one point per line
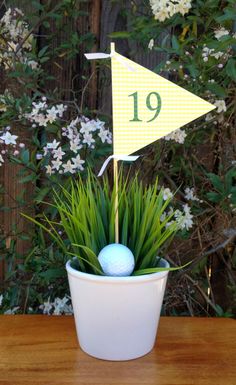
147 106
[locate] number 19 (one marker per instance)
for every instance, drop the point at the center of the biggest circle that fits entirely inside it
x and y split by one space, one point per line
150 105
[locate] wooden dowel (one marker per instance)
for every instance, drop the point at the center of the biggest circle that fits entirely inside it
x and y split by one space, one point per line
115 173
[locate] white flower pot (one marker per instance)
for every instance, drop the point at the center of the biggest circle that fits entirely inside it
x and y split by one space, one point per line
116 317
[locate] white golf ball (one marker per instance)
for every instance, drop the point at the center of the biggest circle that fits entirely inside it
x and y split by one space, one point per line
116 260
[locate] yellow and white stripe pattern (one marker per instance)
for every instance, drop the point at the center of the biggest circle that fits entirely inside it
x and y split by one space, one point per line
178 106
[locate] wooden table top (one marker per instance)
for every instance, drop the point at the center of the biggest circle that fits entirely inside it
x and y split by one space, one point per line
43 350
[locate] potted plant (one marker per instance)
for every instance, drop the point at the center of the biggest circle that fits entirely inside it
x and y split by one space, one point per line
116 311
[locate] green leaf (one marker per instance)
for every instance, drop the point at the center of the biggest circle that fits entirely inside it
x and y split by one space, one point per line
231 68
229 14
194 72
25 156
217 89
216 181
41 194
53 273
120 35
214 197
43 51
28 178
175 43
159 269
92 259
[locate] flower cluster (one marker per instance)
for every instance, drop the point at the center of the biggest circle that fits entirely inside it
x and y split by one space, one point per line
12 311
213 53
177 135
221 32
184 219
80 134
42 115
221 106
58 307
167 194
190 194
16 41
165 9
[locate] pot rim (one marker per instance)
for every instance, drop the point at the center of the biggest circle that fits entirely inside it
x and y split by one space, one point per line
117 280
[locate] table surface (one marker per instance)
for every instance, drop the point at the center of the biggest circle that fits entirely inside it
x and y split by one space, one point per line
43 350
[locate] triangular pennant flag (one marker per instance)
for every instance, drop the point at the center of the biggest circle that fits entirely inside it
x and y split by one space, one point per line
147 106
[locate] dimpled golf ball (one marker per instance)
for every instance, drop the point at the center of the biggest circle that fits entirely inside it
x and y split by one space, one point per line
116 260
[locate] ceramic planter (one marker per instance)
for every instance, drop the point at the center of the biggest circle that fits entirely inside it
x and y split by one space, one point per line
116 317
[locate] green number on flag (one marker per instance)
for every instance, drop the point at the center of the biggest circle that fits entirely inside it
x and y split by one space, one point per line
135 118
157 106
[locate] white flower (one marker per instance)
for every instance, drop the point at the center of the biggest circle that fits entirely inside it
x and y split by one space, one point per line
52 115
100 124
56 164
167 194
68 310
1 299
184 219
53 145
151 44
46 307
1 160
73 123
221 106
39 118
183 7
189 194
217 55
49 170
58 153
177 135
221 32
172 9
75 146
86 128
88 139
162 14
164 9
78 162
8 138
33 64
60 109
163 217
104 135
38 106
12 311
69 167
59 305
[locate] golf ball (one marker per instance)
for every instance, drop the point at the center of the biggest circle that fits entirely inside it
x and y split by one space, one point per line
116 260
